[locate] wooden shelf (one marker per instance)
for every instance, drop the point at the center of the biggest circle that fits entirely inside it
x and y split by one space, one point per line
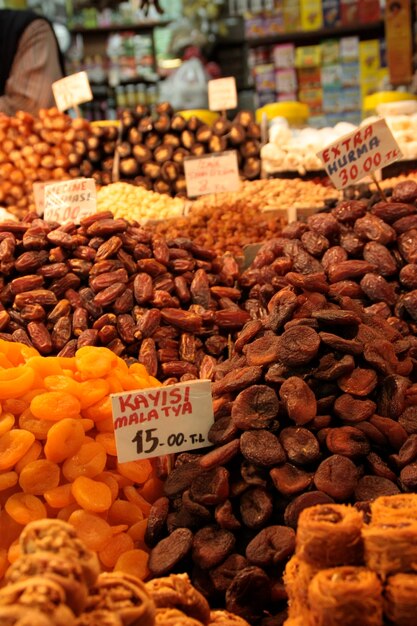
139 27
372 29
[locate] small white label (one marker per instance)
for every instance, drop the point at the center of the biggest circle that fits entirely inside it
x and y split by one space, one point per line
360 153
222 94
72 90
153 422
212 173
70 200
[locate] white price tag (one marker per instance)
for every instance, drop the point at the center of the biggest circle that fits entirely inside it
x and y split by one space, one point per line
212 173
359 154
70 200
222 94
153 422
72 90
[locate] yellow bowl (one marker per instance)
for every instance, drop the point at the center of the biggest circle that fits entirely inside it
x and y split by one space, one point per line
206 116
386 97
105 123
296 113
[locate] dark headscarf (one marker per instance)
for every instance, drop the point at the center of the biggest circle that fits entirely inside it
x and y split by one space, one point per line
12 26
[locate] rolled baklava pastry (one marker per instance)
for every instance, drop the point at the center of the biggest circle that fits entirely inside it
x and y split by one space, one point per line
348 596
387 508
39 593
174 617
125 595
401 599
99 618
297 576
23 616
329 535
391 547
225 618
59 537
177 592
65 572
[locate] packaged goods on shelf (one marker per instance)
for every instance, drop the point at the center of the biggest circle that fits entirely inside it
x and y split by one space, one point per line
316 405
229 221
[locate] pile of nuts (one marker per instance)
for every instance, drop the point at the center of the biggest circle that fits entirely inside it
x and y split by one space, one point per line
137 204
170 304
258 211
318 403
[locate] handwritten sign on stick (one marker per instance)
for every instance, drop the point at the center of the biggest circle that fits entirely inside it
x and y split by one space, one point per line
222 94
72 90
212 173
360 153
162 420
70 200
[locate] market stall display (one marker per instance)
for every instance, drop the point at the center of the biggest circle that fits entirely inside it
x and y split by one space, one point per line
138 204
258 211
316 404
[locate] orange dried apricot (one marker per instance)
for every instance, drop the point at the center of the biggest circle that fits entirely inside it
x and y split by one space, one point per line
15 382
59 497
55 405
15 406
96 362
117 545
101 410
108 442
14 551
89 460
8 480
32 454
60 382
133 562
92 391
133 495
25 508
34 425
136 471
124 512
64 439
7 421
13 445
91 529
39 476
138 530
91 495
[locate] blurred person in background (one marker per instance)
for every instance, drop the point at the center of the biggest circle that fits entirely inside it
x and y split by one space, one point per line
30 61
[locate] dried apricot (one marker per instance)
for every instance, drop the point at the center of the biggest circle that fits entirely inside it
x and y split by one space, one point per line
64 439
25 508
55 405
91 495
13 445
39 476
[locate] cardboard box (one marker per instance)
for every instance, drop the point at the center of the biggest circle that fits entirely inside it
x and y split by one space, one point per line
330 51
265 98
309 77
291 11
369 11
284 56
265 78
285 81
331 13
287 97
349 11
350 74
275 22
331 76
369 57
349 48
311 14
307 56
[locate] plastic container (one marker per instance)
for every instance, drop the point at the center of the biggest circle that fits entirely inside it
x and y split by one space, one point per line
296 113
390 103
206 116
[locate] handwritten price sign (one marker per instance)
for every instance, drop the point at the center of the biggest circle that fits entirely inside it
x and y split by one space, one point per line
154 422
222 94
359 154
72 90
213 173
70 200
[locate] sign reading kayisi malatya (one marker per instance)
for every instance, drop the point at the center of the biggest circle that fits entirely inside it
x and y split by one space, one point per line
153 422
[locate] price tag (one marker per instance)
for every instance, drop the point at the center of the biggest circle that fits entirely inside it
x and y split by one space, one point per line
154 422
70 200
222 94
38 189
212 173
72 90
360 153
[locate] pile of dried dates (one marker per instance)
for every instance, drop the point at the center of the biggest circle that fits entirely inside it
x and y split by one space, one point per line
318 403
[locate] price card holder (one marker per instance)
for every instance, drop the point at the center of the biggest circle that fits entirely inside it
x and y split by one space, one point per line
70 200
360 154
71 91
153 422
212 173
222 94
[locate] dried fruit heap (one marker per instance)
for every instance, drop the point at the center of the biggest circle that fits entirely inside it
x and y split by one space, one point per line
316 405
